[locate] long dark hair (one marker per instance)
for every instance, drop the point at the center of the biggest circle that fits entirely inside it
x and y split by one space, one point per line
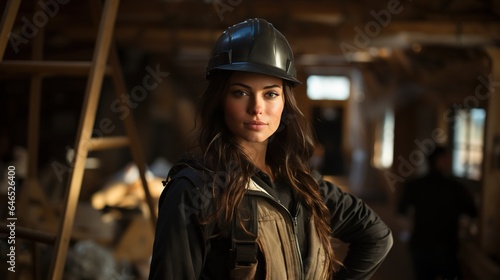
288 153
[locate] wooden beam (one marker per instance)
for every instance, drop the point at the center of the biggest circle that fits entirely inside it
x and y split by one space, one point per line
64 68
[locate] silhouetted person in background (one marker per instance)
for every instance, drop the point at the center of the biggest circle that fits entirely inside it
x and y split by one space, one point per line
437 202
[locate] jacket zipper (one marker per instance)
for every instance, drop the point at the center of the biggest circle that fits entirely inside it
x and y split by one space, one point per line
293 219
302 273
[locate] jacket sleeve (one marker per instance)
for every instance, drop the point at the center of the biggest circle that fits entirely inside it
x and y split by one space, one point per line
355 223
180 243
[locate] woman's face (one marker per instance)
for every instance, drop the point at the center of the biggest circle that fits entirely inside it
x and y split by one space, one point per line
253 106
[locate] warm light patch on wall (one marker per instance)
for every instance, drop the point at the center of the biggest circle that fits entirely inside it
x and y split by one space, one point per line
383 151
321 87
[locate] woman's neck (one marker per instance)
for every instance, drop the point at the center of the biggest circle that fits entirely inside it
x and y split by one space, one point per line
257 153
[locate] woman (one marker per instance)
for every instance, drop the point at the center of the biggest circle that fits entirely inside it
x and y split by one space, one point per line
247 206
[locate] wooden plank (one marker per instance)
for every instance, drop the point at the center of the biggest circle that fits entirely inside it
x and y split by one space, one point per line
94 84
131 130
130 126
489 242
30 234
103 143
34 134
8 18
34 105
136 242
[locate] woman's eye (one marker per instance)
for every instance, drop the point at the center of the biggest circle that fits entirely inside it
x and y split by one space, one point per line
239 93
272 94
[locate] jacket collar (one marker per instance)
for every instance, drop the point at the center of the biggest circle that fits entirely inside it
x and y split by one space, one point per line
253 186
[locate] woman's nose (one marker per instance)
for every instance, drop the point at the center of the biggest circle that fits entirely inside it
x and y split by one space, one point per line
255 106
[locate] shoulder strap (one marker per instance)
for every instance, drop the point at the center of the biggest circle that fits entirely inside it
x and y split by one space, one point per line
188 173
244 243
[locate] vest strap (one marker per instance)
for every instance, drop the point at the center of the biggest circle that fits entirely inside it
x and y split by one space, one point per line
244 246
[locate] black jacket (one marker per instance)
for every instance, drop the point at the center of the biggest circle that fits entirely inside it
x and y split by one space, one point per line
183 248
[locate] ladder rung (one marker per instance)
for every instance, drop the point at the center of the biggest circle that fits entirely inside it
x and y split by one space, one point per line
66 68
103 143
30 234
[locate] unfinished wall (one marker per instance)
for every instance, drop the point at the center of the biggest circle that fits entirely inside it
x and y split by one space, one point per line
490 220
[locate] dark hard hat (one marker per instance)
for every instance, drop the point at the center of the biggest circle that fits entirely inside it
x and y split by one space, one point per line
254 46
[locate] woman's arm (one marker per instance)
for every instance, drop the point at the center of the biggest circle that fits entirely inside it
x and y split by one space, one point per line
180 244
355 223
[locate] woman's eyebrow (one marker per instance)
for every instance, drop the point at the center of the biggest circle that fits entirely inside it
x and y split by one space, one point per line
249 87
272 86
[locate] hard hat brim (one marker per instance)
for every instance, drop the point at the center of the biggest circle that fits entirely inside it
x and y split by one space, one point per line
258 68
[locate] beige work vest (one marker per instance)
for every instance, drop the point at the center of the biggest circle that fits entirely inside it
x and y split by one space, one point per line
277 241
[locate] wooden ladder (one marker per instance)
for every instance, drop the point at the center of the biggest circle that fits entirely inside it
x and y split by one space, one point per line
104 61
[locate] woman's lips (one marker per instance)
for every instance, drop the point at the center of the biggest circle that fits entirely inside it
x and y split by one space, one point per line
255 125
